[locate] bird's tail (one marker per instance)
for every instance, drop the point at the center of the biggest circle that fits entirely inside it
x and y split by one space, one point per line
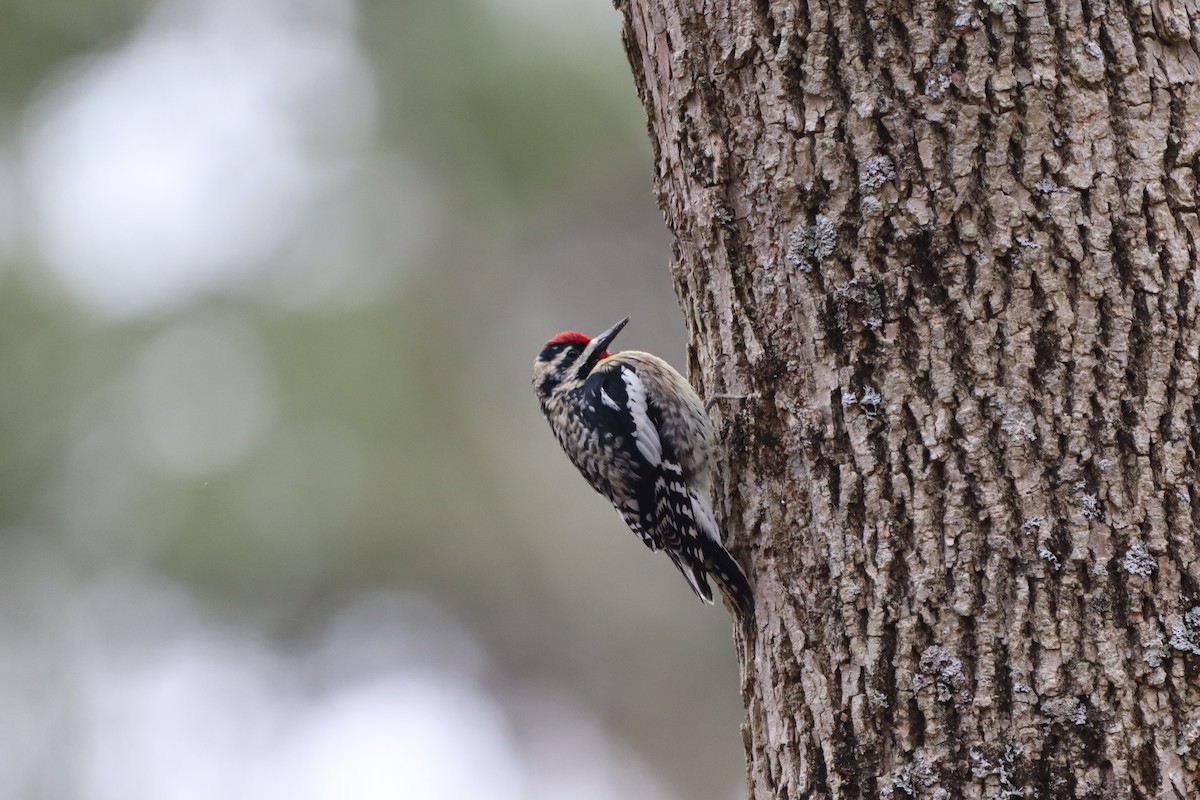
730 578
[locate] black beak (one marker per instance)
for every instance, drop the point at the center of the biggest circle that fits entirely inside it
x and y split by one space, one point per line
602 341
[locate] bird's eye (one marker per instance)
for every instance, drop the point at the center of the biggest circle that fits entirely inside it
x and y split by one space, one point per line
573 351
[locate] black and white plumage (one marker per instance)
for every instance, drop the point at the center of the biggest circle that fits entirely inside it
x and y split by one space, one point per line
640 435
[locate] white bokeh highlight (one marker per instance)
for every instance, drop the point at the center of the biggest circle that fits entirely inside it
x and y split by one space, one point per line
175 166
399 736
147 697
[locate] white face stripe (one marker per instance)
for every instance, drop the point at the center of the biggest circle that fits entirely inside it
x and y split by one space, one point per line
589 349
644 432
585 356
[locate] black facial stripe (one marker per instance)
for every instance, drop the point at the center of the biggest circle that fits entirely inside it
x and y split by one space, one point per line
552 350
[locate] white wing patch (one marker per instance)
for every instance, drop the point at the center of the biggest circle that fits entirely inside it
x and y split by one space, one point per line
608 401
704 518
644 432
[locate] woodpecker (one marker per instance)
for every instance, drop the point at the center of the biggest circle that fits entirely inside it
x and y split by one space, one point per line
639 434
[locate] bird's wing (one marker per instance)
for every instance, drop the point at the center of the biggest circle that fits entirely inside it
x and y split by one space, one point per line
665 511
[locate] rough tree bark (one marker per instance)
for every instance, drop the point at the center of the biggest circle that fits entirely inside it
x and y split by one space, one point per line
948 250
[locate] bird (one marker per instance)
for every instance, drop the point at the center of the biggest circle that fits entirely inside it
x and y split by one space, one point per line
639 434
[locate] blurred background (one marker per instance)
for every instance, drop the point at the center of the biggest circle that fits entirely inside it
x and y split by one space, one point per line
279 517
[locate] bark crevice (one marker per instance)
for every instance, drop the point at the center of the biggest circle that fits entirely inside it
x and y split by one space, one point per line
949 252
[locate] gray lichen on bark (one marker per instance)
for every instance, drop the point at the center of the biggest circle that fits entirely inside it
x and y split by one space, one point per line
984 582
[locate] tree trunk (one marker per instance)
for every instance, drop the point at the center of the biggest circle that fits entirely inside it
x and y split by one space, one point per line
948 252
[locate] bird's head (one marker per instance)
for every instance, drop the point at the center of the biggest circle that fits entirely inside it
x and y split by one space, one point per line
571 356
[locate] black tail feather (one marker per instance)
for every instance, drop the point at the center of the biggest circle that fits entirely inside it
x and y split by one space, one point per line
694 572
730 578
710 559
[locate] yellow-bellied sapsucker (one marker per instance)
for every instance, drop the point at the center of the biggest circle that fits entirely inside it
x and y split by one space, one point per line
640 435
